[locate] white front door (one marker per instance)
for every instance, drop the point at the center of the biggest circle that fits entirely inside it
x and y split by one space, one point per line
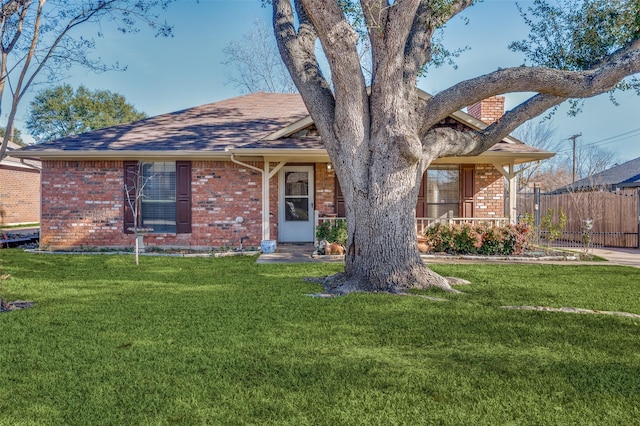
295 188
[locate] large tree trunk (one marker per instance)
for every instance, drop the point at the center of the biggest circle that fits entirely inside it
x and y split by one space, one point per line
382 252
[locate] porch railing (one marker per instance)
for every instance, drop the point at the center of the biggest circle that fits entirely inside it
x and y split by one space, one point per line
422 223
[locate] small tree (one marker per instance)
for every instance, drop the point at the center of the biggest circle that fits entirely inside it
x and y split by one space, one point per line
554 226
587 209
134 189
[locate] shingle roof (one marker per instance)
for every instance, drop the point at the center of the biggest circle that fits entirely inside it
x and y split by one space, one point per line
620 176
210 127
245 122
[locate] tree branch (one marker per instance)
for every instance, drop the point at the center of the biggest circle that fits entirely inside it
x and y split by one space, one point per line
339 42
298 53
512 119
418 48
417 51
454 9
553 82
447 142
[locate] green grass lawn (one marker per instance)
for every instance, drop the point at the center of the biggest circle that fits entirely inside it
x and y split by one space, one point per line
227 341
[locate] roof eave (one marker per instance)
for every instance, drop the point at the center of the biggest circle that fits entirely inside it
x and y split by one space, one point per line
120 155
504 158
270 154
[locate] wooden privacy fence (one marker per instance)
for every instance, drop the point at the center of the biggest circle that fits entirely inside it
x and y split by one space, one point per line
601 218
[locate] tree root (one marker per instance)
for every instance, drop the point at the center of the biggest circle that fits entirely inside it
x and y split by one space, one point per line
342 284
573 311
457 281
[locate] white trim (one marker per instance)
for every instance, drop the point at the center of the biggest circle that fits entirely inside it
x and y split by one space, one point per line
289 130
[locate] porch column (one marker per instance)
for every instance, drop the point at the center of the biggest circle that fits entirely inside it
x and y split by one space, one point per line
267 174
266 228
513 197
511 174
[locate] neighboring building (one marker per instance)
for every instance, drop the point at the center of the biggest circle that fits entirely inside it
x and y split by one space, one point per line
19 189
619 177
252 166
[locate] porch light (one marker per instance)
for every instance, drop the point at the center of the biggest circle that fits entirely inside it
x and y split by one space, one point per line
329 167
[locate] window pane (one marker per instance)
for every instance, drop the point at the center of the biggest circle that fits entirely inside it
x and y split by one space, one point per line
443 191
443 210
443 184
296 183
297 209
159 197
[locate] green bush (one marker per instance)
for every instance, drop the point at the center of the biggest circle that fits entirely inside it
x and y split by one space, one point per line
333 231
477 239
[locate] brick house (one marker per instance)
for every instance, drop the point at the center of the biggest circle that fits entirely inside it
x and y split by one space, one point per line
252 166
19 189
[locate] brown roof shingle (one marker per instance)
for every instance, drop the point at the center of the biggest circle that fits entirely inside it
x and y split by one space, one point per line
211 127
242 123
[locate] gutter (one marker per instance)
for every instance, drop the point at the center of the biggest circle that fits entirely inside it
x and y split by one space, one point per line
31 166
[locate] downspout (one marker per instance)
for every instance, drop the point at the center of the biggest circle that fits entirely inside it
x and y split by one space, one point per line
266 178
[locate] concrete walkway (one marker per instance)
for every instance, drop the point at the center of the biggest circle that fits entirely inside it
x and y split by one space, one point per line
301 253
295 253
620 256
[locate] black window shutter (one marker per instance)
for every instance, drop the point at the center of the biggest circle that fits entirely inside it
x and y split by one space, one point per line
183 197
130 174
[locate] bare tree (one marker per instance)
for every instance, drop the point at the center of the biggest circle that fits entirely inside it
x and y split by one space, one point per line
587 209
40 37
541 135
381 137
556 175
592 159
134 191
254 64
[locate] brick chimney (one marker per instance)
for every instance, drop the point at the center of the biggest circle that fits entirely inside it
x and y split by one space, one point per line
488 110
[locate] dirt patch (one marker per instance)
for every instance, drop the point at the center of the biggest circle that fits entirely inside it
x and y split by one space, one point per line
15 305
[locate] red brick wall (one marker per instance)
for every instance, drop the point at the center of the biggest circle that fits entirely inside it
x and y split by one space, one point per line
221 192
488 110
19 195
83 205
489 197
325 189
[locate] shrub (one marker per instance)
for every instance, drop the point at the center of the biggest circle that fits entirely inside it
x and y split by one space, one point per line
478 239
333 231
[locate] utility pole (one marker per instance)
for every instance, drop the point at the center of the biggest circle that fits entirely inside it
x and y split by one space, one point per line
573 138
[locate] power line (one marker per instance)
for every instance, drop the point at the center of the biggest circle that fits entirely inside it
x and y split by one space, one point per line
612 139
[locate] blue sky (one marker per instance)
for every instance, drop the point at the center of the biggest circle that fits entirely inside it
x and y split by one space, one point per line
166 75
